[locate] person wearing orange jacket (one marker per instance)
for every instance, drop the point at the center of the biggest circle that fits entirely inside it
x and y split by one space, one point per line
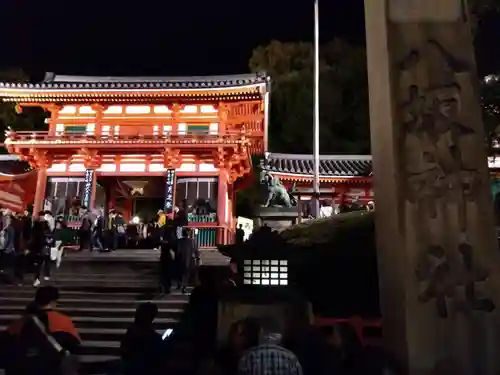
32 352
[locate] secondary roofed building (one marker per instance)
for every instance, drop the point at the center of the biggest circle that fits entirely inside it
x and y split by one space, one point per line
166 139
343 178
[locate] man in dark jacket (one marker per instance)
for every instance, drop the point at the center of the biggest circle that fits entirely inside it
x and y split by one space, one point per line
86 232
187 257
41 242
167 243
142 347
119 230
98 234
240 235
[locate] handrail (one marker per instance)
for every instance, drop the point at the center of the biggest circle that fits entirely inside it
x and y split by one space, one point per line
30 137
152 132
223 234
141 133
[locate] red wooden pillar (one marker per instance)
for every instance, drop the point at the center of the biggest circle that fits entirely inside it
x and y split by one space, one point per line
342 191
93 191
41 186
127 209
222 205
112 196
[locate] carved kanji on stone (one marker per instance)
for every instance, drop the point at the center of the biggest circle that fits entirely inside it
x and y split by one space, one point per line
441 281
434 271
432 131
470 276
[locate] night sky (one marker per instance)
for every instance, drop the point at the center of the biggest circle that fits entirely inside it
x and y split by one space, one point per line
184 37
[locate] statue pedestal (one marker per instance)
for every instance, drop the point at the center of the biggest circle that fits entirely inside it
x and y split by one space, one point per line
277 218
259 302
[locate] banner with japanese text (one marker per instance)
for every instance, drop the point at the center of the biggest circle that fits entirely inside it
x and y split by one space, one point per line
87 188
169 191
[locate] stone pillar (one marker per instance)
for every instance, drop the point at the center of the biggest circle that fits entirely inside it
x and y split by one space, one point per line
438 260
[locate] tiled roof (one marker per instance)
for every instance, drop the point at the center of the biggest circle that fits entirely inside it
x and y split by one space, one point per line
329 166
57 82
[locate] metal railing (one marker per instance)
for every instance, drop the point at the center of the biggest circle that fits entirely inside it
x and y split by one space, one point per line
50 137
209 236
202 218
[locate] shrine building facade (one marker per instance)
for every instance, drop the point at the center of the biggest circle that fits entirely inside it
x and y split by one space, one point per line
117 142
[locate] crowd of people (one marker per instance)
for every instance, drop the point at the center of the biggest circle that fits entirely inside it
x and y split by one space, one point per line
45 341
170 234
36 244
255 345
31 245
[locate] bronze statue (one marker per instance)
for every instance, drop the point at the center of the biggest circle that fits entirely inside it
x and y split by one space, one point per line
277 194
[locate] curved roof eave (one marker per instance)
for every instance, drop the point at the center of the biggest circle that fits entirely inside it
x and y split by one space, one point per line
56 78
63 84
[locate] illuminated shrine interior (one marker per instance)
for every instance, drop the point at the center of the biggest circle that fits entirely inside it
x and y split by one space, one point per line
135 196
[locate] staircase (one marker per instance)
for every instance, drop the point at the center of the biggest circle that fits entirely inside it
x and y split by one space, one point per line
100 292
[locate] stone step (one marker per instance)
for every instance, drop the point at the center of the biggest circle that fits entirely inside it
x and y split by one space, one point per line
99 303
111 348
108 283
96 358
163 312
146 275
95 364
83 286
100 322
95 293
100 292
100 334
132 277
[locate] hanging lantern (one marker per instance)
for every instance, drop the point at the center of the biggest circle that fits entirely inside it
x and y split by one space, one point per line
136 186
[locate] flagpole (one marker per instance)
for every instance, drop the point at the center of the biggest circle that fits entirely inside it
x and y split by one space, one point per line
316 109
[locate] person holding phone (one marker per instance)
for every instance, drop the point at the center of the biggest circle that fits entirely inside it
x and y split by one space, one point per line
142 347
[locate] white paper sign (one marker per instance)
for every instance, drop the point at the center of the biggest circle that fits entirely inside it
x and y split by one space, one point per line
425 10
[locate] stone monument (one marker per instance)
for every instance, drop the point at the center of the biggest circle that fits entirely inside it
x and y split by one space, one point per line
437 251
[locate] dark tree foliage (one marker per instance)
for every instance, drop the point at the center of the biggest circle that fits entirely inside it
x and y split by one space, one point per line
344 125
29 119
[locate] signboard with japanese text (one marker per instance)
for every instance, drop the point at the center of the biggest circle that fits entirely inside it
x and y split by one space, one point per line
87 188
169 191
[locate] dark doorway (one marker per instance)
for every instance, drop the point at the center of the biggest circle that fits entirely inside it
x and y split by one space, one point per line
135 196
146 208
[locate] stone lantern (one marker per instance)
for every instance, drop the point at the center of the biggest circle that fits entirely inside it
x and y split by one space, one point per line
264 261
266 285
